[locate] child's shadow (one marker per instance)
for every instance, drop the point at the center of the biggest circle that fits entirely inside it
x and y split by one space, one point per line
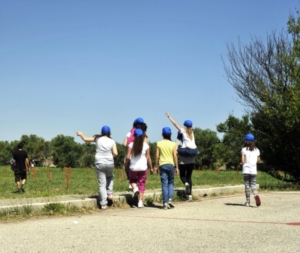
181 194
130 200
235 204
152 205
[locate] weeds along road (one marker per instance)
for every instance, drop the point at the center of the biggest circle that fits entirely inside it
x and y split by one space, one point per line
212 225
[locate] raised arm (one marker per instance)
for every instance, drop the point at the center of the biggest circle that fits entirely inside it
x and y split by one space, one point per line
84 138
173 121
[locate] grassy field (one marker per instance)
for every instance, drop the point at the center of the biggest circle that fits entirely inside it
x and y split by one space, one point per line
56 181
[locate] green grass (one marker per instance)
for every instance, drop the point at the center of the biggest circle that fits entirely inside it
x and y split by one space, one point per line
84 182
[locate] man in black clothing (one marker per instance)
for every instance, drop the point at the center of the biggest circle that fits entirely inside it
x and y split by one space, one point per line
21 163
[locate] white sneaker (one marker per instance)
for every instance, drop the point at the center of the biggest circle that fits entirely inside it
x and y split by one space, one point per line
130 187
190 198
170 204
166 206
140 204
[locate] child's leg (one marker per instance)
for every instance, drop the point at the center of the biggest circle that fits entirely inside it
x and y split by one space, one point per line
247 186
182 173
164 183
170 181
142 175
189 172
109 180
254 190
133 180
253 184
102 184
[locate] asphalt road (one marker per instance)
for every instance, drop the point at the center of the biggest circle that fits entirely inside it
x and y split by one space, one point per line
220 224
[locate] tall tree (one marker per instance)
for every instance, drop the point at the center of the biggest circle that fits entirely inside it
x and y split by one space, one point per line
266 77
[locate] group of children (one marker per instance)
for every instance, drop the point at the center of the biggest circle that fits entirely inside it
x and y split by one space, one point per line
138 160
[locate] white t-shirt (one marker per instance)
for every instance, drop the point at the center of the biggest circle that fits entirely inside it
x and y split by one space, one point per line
249 166
186 141
139 163
104 147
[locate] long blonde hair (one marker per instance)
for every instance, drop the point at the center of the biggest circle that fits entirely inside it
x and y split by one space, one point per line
189 132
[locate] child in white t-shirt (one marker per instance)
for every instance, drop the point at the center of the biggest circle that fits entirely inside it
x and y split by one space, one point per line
138 154
188 141
250 155
137 124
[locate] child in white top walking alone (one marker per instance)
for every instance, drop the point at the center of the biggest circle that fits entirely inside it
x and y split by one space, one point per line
249 158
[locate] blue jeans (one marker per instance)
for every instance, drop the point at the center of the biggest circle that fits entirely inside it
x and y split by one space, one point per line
167 181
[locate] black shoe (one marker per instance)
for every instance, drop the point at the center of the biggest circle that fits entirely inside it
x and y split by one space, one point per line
22 189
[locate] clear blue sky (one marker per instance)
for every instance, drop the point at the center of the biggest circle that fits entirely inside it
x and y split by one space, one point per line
78 65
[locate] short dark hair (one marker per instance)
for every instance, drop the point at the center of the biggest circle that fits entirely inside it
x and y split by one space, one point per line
167 136
20 145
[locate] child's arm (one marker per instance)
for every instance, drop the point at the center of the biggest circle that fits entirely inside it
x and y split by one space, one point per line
156 160
114 150
146 138
149 160
127 157
173 121
175 159
242 159
84 138
125 142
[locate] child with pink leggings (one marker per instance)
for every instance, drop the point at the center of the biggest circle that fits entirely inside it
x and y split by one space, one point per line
138 154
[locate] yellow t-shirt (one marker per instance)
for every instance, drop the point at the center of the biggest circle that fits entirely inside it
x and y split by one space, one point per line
166 149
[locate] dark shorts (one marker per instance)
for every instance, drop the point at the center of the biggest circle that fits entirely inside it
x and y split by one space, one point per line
20 175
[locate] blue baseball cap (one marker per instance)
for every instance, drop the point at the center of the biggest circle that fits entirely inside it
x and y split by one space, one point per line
166 130
138 121
138 132
105 130
188 123
249 137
